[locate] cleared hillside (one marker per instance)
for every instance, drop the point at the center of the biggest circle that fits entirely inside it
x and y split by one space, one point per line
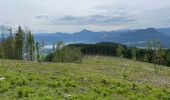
98 77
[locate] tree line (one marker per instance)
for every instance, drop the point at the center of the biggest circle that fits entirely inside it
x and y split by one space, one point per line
19 45
153 53
66 54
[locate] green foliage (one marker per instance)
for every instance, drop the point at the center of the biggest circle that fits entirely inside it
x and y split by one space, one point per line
133 51
67 54
37 51
124 75
120 50
30 48
85 81
20 47
154 53
23 91
4 86
19 43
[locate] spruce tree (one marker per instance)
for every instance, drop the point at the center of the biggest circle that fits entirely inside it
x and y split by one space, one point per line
31 48
37 51
2 28
9 45
19 43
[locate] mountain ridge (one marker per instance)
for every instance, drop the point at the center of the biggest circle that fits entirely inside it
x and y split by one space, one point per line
128 37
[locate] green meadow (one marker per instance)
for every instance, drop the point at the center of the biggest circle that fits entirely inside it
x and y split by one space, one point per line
96 78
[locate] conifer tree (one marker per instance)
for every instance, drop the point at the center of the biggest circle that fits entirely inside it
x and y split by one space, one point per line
2 28
10 45
26 45
31 48
37 51
160 54
19 43
147 57
54 47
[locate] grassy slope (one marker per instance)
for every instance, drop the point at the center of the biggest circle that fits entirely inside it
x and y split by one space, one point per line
96 78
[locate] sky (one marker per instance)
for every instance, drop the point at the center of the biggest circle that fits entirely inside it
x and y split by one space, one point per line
75 15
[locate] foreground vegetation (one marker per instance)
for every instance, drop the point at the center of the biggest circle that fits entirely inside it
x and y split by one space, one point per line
98 77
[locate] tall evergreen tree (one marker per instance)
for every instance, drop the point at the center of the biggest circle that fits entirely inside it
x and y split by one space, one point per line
31 48
54 47
10 45
148 55
19 43
26 45
37 51
160 54
2 28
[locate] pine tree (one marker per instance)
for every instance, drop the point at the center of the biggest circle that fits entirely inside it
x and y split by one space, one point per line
42 46
9 45
26 46
37 51
31 48
148 55
19 43
2 28
160 54
54 47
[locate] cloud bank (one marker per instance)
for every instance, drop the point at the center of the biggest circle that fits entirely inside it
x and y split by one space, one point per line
75 15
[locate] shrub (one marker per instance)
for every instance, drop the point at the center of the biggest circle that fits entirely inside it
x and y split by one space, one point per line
54 84
23 91
4 86
120 90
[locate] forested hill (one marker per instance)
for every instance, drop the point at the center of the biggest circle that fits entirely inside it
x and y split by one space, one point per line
161 56
138 37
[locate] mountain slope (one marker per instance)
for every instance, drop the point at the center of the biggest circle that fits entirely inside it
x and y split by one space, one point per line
164 30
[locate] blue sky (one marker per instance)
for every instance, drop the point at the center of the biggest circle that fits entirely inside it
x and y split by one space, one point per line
75 15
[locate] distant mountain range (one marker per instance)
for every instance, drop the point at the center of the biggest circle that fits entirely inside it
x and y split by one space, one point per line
137 37
164 30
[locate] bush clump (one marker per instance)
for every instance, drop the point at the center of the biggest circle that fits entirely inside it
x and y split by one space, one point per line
24 91
4 86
